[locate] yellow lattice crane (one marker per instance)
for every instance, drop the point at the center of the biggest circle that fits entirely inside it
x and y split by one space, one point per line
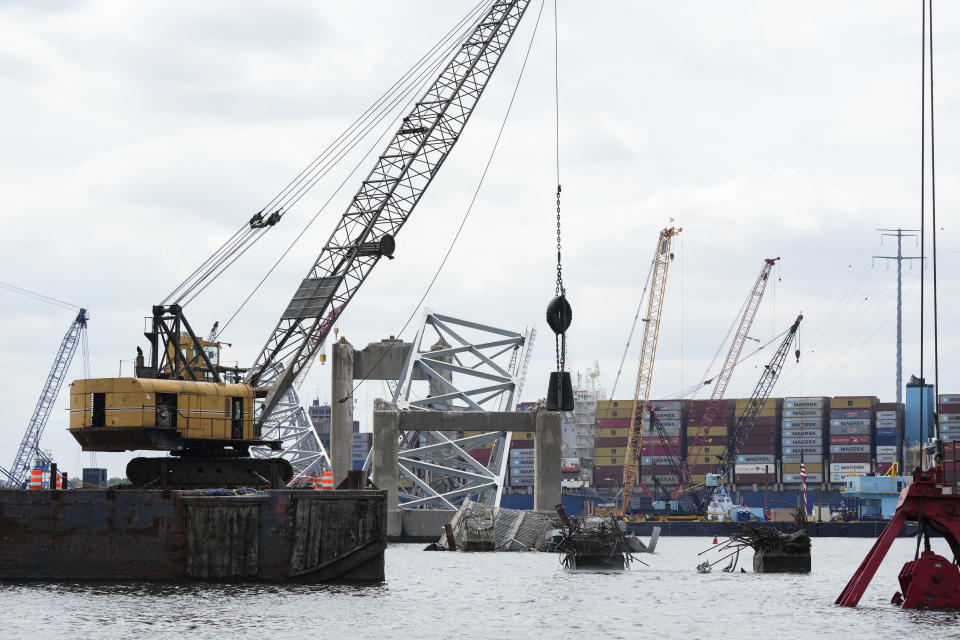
648 349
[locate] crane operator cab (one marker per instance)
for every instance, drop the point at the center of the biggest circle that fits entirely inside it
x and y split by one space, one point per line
183 402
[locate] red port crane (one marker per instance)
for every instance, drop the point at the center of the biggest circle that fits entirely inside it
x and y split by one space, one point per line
721 381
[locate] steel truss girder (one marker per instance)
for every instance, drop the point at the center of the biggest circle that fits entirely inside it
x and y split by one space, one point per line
440 467
291 424
386 198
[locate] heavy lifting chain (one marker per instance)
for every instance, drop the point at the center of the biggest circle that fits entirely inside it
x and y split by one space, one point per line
560 338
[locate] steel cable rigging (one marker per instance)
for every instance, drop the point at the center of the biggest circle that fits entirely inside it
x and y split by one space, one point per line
384 109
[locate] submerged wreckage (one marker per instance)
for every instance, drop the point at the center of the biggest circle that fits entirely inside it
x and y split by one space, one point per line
773 550
585 542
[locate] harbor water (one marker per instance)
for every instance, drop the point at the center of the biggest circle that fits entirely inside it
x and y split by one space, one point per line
497 595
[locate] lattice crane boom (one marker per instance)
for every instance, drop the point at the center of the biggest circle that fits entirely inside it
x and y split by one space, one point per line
748 415
30 444
722 379
662 258
383 203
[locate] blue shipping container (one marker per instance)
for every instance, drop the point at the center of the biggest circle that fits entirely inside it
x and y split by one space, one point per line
850 414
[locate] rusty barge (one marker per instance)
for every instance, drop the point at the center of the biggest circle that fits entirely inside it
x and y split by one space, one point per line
271 536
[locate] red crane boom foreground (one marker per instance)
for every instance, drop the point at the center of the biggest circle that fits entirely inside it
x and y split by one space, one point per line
720 383
929 581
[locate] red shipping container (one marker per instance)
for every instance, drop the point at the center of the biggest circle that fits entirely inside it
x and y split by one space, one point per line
844 439
707 441
883 467
600 443
756 450
521 444
763 421
850 457
887 406
481 455
950 408
607 476
656 452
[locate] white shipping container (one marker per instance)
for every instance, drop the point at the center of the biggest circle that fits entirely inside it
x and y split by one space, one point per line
886 415
851 422
849 448
521 462
886 449
887 424
791 478
804 403
796 451
803 413
521 471
521 481
891 457
802 423
802 433
849 468
950 427
950 417
756 468
802 442
949 399
521 453
755 459
660 461
950 437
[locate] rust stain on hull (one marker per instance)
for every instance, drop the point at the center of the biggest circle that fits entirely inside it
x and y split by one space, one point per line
282 535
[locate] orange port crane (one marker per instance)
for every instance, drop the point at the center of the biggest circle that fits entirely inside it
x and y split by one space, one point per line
662 258
750 307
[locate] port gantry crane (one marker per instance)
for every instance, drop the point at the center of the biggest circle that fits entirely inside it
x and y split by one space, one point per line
702 494
365 233
720 382
662 258
29 447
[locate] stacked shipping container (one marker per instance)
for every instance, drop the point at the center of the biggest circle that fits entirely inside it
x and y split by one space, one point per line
851 423
654 460
756 460
708 424
949 417
610 435
886 439
802 439
520 459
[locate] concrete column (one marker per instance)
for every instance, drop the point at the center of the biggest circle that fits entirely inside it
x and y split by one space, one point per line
341 412
386 432
547 447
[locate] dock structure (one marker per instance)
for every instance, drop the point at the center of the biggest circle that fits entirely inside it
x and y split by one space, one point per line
389 420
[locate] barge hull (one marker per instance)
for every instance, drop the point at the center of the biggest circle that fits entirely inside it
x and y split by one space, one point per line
278 536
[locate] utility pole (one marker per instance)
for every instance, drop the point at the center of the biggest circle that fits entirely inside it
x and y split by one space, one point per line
899 234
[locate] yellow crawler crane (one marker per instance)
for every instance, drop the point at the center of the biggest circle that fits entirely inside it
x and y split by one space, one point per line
648 349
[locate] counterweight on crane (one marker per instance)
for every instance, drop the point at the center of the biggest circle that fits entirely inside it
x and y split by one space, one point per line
30 444
748 415
187 405
662 258
721 381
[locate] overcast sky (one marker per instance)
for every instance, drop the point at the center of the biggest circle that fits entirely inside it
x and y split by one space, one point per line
138 136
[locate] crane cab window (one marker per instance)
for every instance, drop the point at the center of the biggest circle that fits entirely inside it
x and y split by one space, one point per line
167 410
236 418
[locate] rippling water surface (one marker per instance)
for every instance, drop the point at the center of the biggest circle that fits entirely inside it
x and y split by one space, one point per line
497 595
